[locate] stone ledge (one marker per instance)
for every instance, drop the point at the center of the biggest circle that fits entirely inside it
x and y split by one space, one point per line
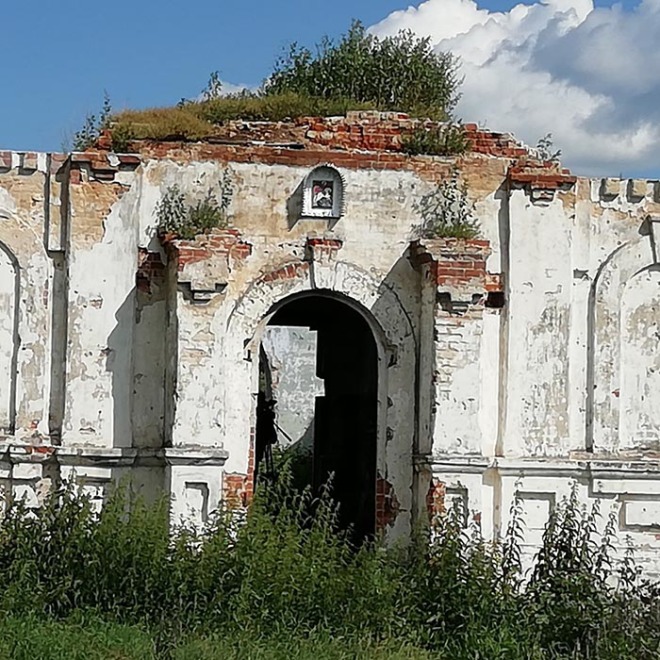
112 457
595 468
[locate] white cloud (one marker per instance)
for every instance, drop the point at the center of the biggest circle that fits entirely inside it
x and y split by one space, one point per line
587 75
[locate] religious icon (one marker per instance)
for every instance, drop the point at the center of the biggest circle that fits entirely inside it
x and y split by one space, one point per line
322 192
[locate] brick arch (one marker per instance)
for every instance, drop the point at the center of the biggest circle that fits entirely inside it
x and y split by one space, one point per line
383 308
395 333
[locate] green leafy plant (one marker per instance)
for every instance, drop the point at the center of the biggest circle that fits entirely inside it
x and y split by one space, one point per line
76 582
402 72
213 89
448 211
122 135
186 216
93 126
358 72
545 149
442 140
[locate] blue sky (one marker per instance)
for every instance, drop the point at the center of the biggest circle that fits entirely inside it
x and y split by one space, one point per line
60 57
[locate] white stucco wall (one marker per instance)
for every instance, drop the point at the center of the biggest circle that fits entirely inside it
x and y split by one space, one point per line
558 385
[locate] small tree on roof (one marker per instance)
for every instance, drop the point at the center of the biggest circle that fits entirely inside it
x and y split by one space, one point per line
401 73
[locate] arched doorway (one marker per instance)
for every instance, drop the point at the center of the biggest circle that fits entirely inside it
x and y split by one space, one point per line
318 396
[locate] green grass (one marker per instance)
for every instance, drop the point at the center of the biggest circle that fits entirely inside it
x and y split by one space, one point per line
197 120
284 581
237 646
29 637
91 638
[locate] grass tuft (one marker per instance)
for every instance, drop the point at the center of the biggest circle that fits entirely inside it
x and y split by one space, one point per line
161 124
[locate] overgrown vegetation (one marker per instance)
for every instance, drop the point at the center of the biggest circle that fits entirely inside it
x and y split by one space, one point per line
401 72
442 140
283 581
195 120
186 216
358 72
448 211
93 126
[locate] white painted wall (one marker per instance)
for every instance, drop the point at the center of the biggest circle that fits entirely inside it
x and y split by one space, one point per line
489 401
291 352
8 338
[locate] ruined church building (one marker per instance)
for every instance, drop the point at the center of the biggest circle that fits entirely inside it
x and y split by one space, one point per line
419 371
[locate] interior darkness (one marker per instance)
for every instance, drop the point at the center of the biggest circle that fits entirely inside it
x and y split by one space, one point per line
345 418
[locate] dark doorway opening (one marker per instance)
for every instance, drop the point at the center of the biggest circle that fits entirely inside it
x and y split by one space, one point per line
318 395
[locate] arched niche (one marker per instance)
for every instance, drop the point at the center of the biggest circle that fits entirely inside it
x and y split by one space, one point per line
623 349
9 287
323 193
640 361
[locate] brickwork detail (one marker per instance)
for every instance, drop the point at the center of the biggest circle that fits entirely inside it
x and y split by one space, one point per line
150 270
537 176
361 140
387 504
435 499
288 272
101 166
219 241
205 263
322 250
238 489
457 265
359 130
494 282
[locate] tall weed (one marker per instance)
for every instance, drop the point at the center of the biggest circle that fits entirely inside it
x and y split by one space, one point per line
285 576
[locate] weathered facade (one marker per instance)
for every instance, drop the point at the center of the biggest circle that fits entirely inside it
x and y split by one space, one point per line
417 370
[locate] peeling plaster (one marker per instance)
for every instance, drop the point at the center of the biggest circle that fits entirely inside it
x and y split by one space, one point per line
560 383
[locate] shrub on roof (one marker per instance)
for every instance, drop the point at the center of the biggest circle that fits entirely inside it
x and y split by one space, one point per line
359 72
444 140
402 72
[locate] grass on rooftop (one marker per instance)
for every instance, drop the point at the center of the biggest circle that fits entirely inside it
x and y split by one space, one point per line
195 120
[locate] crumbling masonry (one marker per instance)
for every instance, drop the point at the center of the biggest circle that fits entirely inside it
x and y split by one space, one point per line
418 371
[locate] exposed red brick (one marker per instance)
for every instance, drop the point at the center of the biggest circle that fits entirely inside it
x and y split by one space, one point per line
188 254
238 488
39 449
235 490
129 160
99 164
435 498
494 282
150 269
457 267
387 504
225 242
287 272
332 243
105 140
359 140
540 176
